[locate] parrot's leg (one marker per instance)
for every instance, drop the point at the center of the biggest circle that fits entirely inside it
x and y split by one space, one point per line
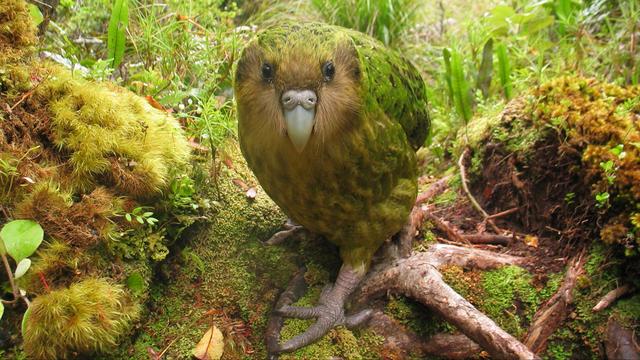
329 312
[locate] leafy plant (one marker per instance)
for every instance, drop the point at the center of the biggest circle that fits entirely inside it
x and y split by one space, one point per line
460 93
141 216
18 239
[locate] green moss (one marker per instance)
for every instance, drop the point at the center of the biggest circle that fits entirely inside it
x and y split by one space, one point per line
87 317
415 317
17 31
503 289
628 311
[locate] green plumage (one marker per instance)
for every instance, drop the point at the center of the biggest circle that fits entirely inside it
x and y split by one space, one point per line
355 182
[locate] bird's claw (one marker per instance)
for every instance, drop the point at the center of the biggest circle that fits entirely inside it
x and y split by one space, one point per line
328 315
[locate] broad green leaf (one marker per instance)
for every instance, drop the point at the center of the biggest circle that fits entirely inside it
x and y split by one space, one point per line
22 267
504 70
21 238
1 309
116 31
135 283
36 14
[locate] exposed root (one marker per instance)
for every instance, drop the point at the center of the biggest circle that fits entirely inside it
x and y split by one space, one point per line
296 288
400 342
417 277
554 312
474 202
620 342
611 297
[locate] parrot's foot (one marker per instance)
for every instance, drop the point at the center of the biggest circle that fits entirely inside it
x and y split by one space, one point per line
329 312
290 229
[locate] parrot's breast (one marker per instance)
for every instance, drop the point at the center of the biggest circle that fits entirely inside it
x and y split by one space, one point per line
356 190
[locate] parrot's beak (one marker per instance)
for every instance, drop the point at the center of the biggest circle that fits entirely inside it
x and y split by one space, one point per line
299 115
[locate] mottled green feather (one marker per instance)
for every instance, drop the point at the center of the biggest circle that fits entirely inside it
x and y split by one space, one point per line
358 187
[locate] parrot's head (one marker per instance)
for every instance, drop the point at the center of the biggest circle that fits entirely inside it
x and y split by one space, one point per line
299 84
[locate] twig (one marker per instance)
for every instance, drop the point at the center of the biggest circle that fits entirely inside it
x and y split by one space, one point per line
503 213
28 93
474 202
7 268
611 297
451 233
435 189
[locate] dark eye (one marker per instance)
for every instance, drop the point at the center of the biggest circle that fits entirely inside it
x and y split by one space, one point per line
328 70
267 71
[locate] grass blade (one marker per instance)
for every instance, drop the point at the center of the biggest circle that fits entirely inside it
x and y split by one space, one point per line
116 32
504 70
460 87
485 71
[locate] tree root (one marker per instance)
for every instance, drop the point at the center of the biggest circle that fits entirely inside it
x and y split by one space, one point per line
418 278
400 342
554 312
463 175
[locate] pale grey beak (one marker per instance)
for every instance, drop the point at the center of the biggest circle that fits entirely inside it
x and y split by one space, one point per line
299 115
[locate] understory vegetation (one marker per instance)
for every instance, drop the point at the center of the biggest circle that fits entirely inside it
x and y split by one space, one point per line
118 156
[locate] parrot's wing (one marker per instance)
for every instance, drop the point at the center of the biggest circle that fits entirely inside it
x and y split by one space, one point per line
397 87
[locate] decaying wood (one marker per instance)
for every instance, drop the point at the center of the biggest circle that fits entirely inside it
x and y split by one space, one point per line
620 343
418 278
554 312
611 297
451 346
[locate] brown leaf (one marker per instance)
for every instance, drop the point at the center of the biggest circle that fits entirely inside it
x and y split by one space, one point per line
241 184
531 240
211 346
154 103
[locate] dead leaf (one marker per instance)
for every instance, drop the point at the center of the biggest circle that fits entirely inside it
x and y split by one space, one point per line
211 346
531 240
154 103
241 184
251 193
228 162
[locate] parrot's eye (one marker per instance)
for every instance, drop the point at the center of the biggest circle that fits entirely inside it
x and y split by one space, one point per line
267 71
328 70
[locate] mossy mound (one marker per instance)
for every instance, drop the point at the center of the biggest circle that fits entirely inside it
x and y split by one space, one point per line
17 32
567 154
85 318
97 167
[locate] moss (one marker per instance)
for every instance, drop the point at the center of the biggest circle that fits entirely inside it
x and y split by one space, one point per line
628 311
414 316
88 316
504 289
17 31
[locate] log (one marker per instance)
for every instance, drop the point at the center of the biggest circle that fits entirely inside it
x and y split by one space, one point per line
620 343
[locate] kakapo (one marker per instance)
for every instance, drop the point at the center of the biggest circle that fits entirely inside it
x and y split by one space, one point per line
329 120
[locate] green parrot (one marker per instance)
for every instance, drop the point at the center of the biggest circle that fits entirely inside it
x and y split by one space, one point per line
329 120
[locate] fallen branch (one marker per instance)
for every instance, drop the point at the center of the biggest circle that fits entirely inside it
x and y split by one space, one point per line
554 312
451 233
417 277
611 297
434 189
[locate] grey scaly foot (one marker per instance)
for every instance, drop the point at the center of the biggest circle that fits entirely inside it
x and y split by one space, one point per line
329 312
